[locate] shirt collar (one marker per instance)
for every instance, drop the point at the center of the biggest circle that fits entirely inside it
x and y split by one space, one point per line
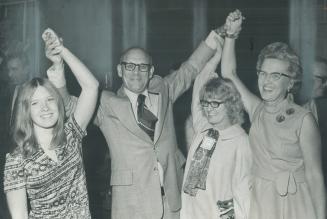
133 97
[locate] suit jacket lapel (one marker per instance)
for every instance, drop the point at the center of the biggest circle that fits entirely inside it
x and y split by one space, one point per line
125 114
162 109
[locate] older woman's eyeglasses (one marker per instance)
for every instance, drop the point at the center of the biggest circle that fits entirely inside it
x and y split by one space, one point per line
213 104
274 76
129 66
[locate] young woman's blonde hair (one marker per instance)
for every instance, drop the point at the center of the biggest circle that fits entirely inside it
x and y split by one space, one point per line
22 127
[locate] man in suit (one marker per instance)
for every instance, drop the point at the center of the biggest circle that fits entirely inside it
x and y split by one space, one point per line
318 105
146 164
319 73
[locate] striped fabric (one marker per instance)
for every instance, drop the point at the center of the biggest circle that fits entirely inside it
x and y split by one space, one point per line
55 189
146 119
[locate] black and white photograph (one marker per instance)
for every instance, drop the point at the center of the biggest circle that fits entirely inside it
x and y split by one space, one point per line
163 109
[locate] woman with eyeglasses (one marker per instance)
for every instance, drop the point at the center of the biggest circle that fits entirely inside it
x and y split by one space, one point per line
216 180
284 138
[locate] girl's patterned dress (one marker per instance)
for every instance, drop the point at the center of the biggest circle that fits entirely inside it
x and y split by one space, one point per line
54 189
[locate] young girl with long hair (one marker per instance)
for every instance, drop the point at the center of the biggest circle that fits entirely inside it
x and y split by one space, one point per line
45 167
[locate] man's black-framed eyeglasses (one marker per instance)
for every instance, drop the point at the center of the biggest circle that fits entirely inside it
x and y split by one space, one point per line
321 78
275 76
129 66
213 104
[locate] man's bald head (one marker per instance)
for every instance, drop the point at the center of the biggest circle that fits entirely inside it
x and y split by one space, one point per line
136 52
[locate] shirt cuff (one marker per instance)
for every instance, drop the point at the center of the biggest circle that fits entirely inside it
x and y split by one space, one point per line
56 75
210 40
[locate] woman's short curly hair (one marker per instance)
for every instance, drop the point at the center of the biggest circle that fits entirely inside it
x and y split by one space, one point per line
224 90
283 52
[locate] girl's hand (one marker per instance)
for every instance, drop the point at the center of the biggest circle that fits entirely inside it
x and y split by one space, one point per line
53 46
233 25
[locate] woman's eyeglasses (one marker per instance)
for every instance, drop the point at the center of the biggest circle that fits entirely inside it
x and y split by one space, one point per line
213 104
129 66
274 76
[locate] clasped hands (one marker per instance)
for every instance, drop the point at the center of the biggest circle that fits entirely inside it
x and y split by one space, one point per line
53 49
233 25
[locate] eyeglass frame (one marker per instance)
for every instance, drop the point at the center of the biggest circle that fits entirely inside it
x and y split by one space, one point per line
213 104
270 75
323 79
134 66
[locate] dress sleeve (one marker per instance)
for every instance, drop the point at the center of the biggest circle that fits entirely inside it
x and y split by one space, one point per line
311 105
241 179
73 128
70 101
70 106
14 174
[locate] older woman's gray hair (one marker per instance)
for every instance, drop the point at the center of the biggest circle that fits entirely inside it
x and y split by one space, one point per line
283 52
225 91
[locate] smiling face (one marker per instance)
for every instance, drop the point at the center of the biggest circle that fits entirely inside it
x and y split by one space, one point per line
135 80
44 109
274 90
216 116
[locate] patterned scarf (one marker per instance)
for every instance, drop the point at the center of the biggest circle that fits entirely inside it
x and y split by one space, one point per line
197 174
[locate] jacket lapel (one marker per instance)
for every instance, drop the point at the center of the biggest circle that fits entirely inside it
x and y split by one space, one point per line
124 112
162 109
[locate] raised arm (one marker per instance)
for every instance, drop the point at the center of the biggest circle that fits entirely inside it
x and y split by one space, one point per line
206 74
228 63
56 75
87 100
180 80
311 148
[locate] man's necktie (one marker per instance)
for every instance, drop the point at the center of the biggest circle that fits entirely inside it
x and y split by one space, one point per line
146 119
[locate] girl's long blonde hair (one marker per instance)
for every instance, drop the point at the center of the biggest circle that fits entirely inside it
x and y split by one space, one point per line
22 128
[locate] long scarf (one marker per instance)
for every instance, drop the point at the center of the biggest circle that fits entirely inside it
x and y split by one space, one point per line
197 174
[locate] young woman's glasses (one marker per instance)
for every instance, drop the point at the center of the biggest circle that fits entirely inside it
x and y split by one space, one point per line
213 104
131 66
274 76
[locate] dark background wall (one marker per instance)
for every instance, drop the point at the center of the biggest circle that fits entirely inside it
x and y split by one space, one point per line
93 30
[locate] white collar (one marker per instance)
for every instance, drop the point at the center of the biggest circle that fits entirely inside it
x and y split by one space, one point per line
133 96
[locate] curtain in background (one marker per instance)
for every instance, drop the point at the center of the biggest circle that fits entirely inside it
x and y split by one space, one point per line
86 28
200 23
302 37
20 28
134 23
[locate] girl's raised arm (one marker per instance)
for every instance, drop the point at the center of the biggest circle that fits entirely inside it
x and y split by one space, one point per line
228 62
87 100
